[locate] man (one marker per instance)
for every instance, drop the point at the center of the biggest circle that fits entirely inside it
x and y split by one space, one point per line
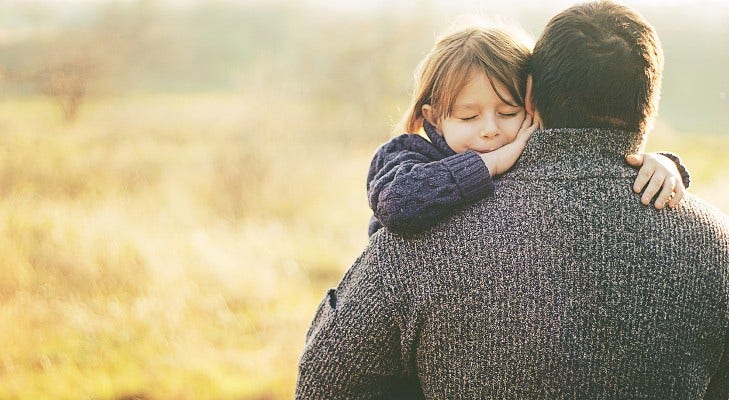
562 285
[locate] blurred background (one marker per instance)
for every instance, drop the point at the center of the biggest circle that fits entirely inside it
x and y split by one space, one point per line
181 181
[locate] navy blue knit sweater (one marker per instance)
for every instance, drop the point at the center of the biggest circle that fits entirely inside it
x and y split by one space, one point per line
414 183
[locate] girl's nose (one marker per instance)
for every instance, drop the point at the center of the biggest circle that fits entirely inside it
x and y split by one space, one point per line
490 129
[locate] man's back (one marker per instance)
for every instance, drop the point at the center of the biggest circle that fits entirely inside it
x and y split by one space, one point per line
561 285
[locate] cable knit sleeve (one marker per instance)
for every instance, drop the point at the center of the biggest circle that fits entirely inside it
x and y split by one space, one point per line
353 346
411 186
685 176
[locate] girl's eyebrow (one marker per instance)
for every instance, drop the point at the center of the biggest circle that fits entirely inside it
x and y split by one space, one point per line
473 106
467 106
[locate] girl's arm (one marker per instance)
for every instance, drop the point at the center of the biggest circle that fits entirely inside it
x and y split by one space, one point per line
661 174
411 186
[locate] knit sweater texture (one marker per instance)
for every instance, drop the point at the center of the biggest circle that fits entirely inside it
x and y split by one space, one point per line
414 183
559 286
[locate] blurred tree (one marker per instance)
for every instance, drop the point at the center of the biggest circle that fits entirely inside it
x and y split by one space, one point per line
347 60
92 52
68 83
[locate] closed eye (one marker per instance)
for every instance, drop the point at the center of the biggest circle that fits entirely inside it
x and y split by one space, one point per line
469 118
509 114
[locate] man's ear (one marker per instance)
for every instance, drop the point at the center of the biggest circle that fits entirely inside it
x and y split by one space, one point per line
429 114
529 102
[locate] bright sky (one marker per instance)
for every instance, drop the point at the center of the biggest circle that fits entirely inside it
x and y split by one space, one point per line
716 10
495 6
558 4
471 3
703 8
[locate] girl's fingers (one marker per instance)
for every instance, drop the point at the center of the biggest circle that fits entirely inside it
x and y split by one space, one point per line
634 160
668 186
528 126
526 123
677 196
644 175
653 187
522 137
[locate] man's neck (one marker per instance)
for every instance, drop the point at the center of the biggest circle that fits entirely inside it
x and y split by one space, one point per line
577 149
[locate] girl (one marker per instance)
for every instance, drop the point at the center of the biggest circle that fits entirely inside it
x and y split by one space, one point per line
469 103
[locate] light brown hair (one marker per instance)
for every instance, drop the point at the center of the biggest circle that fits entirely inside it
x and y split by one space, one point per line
502 53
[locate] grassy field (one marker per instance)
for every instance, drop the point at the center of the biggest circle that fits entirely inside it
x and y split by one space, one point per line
175 247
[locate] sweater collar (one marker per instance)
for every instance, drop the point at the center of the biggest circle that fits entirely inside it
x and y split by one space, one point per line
437 140
581 142
578 148
564 144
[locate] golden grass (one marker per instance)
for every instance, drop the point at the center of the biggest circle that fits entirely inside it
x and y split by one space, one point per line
175 247
165 246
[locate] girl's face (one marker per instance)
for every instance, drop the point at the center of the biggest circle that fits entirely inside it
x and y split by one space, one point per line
480 120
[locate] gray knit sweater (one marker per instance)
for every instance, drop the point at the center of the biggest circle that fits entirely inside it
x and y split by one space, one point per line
569 288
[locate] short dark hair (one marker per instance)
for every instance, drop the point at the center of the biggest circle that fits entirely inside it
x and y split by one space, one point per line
597 65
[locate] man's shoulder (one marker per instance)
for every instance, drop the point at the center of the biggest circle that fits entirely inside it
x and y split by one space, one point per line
516 208
704 217
385 246
399 257
514 211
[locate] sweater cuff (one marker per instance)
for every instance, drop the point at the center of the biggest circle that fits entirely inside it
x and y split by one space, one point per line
471 175
685 176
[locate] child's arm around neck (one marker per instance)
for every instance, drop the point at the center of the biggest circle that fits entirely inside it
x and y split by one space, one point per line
412 185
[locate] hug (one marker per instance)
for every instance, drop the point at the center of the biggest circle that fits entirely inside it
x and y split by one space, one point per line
522 244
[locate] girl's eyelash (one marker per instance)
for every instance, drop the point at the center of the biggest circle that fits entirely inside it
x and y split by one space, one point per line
502 114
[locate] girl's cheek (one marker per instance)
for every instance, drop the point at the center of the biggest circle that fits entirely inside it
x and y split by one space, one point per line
514 129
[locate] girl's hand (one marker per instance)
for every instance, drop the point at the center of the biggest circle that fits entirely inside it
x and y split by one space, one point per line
503 158
657 172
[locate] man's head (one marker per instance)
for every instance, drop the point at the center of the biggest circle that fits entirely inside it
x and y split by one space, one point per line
599 65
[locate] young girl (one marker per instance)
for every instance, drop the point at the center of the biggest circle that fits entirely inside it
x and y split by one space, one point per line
469 100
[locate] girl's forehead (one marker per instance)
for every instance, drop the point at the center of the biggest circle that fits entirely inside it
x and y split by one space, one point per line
479 88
